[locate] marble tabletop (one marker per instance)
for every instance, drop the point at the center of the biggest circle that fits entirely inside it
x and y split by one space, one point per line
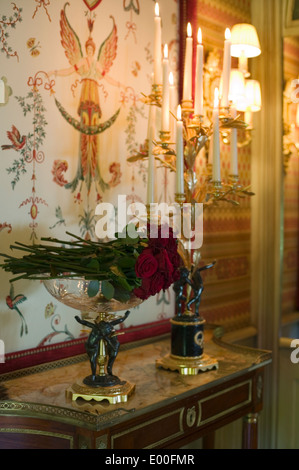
41 391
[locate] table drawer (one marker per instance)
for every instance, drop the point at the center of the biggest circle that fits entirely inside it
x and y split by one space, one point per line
183 418
224 402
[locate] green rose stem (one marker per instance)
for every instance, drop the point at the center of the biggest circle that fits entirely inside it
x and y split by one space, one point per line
111 261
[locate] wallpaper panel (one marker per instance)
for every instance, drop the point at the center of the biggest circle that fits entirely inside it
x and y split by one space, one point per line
53 173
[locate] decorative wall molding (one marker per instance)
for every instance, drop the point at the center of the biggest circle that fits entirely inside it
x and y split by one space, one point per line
267 205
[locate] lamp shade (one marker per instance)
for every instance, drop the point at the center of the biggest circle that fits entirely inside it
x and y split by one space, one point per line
244 41
253 95
237 89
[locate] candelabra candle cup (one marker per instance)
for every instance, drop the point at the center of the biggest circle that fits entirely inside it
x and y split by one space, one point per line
226 110
197 120
165 136
187 107
217 189
235 182
157 93
180 198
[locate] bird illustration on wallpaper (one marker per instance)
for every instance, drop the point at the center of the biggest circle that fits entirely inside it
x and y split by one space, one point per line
17 140
12 301
91 68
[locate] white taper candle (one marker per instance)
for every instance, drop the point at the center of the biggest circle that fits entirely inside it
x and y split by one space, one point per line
198 100
179 154
187 83
216 140
226 68
165 91
157 47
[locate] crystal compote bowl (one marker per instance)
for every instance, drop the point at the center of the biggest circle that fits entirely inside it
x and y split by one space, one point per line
102 344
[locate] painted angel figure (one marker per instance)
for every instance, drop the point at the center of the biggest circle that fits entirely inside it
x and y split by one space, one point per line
91 69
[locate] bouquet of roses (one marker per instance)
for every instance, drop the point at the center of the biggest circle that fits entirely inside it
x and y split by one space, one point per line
143 264
157 265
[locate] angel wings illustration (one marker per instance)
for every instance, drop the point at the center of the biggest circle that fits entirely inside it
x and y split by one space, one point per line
91 68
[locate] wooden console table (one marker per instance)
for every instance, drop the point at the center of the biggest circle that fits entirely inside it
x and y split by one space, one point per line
166 411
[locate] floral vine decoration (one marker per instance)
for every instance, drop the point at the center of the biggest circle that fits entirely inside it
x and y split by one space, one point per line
5 23
133 262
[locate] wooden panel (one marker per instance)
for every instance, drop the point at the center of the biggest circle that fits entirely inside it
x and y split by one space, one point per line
188 417
32 439
150 433
225 401
27 433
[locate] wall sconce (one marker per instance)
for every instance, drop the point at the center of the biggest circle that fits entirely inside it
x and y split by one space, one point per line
253 96
245 45
244 92
246 95
237 90
253 99
237 98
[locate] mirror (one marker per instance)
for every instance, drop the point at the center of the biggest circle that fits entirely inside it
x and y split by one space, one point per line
227 228
290 290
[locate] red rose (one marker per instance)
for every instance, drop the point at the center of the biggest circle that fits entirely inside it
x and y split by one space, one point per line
156 283
164 264
176 275
171 244
141 293
163 235
175 259
146 264
158 264
150 286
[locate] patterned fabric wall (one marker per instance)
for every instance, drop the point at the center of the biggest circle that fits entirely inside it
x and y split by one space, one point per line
52 174
226 227
291 198
41 194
